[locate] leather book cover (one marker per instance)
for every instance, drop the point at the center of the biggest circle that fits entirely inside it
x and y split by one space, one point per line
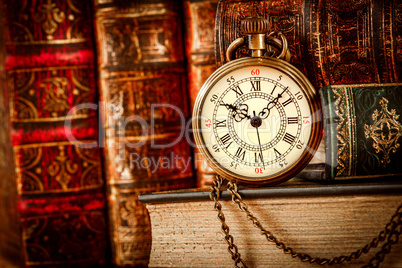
142 77
54 183
362 130
199 21
331 42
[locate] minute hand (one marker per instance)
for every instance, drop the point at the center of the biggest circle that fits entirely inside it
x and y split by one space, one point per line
266 111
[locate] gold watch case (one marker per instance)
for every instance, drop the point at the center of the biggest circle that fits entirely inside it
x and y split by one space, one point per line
313 103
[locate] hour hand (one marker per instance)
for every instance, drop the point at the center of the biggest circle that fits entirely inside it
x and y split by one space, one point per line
239 113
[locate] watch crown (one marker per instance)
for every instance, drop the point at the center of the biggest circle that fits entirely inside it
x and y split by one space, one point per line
254 25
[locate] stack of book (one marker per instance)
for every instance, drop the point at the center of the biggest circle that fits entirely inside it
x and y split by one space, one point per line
357 170
323 221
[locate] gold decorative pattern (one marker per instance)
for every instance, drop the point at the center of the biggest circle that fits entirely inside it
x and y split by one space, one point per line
28 179
116 109
346 131
385 131
51 16
132 37
48 22
63 169
57 167
56 99
35 97
132 228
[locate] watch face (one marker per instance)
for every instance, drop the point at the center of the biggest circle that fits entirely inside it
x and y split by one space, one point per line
256 121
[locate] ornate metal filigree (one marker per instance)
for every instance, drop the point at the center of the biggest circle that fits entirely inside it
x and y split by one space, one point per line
385 131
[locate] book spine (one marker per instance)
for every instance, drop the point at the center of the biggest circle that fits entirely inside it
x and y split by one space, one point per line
199 17
60 189
351 43
142 74
331 42
362 131
10 235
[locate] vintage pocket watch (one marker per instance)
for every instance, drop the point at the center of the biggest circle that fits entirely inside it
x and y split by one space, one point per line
257 120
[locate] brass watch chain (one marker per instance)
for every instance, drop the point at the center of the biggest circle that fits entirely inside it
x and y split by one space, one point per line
390 234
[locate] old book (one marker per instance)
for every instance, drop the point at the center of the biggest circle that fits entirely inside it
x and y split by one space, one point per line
142 73
199 21
319 220
362 132
331 42
52 190
10 235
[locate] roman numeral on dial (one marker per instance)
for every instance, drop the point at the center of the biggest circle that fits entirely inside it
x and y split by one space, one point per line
277 153
221 123
238 91
226 140
240 153
286 102
258 157
289 138
255 85
293 120
273 90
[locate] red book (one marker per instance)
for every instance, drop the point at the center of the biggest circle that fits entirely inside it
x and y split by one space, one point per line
53 190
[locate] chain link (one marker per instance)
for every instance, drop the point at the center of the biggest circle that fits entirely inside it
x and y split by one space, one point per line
390 233
232 248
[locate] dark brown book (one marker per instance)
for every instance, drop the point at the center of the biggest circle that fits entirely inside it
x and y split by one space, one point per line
52 190
199 21
324 221
142 73
331 42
